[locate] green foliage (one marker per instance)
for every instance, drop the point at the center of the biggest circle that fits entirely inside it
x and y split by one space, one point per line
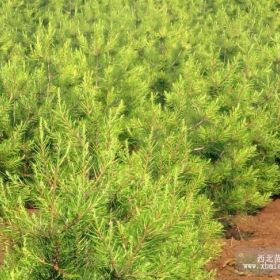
125 125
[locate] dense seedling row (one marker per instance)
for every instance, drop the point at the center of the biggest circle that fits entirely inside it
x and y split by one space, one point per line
126 125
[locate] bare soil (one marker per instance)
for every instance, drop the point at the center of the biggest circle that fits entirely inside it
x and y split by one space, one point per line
261 231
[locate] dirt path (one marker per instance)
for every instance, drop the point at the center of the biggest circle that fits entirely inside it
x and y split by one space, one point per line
261 232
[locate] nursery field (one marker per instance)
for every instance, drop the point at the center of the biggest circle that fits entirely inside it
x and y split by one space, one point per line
129 130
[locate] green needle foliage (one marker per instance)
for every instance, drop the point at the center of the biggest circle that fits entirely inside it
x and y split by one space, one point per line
126 126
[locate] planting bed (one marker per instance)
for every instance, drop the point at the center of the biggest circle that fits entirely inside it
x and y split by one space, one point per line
260 232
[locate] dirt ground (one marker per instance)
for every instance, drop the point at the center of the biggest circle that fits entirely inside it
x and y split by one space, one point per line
261 231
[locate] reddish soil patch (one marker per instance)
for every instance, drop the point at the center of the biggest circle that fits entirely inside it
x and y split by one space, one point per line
261 232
